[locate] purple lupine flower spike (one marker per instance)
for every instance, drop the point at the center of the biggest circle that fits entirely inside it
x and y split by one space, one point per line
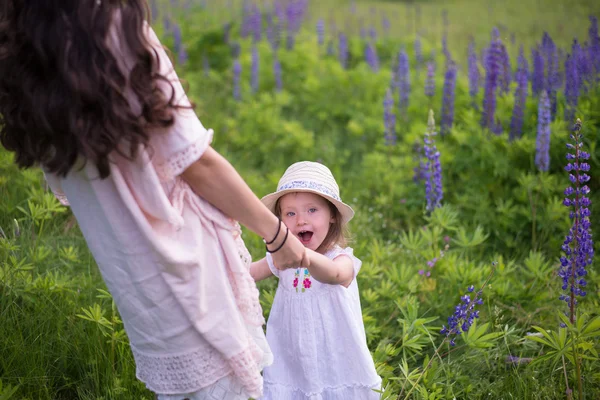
516 123
418 52
572 82
594 45
237 71
464 315
403 82
277 73
385 22
256 24
537 76
492 66
474 74
552 80
504 70
389 118
321 31
430 81
343 49
433 168
255 69
578 247
154 9
448 100
371 57
542 154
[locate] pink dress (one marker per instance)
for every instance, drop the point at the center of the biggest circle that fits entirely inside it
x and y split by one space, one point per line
176 266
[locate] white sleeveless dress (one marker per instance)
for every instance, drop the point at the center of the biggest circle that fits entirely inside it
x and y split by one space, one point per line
318 340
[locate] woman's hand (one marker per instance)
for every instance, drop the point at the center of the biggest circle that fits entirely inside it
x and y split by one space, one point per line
292 254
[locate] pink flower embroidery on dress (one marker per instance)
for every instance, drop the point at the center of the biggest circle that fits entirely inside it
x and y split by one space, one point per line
306 282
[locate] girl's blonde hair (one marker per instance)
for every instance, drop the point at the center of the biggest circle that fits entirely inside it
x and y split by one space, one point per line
338 234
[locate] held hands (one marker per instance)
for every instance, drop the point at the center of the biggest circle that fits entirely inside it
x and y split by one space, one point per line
286 250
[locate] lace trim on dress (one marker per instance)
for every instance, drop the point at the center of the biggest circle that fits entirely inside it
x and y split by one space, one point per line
182 373
180 161
290 392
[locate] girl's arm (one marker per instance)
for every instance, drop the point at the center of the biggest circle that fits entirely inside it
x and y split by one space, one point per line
339 271
260 270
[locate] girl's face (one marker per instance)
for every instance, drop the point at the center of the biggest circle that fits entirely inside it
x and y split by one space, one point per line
308 217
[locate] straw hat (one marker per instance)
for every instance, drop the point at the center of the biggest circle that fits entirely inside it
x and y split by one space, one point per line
312 177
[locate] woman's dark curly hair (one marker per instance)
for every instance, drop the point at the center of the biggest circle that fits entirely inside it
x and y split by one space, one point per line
62 93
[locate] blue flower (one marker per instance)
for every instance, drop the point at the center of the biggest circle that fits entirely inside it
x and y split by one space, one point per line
463 317
578 244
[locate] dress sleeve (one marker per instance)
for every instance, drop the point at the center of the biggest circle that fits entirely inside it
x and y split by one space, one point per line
349 252
175 148
274 270
186 140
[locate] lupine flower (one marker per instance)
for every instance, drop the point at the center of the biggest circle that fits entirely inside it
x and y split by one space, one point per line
516 123
255 68
420 171
373 34
594 44
154 9
578 245
504 69
246 27
448 100
321 31
571 86
371 57
237 70
418 52
343 49
277 73
552 77
256 24
474 74
403 82
433 176
492 66
542 154
385 22
445 47
584 67
537 76
389 118
430 81
464 315
178 44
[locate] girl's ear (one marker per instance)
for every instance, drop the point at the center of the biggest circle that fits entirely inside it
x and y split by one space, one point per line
332 220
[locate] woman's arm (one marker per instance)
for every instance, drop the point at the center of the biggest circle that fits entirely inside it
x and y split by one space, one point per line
214 178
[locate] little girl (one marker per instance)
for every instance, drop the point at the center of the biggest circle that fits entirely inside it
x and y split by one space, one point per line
315 329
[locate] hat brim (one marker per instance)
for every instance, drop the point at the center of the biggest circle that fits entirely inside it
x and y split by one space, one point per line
345 210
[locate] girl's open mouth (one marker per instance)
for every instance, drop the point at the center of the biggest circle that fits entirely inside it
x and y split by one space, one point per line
305 236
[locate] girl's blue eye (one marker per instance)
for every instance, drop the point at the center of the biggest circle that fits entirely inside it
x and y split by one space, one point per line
312 210
290 214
